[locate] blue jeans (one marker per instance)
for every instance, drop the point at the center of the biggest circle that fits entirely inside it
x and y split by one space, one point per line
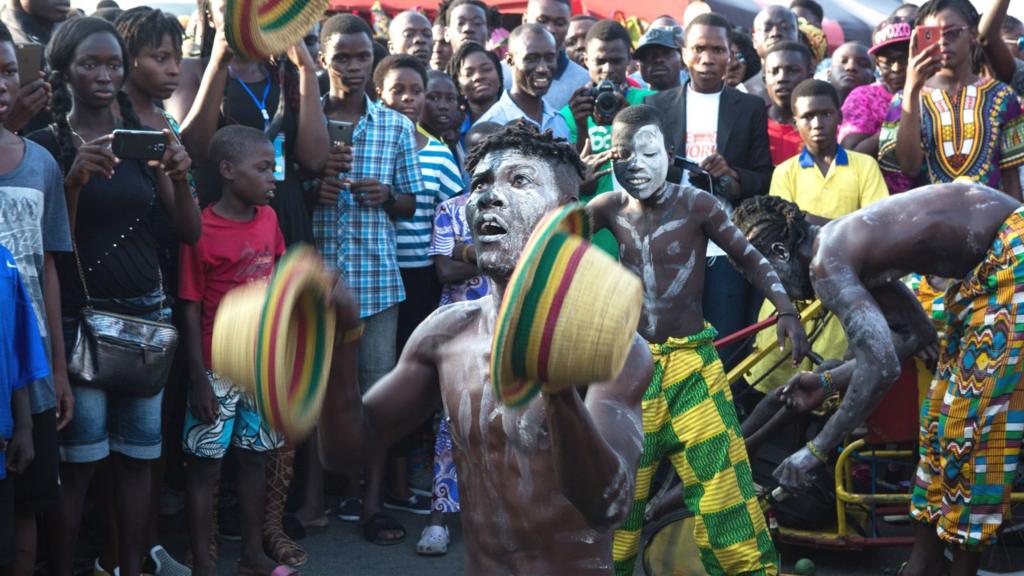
730 304
104 422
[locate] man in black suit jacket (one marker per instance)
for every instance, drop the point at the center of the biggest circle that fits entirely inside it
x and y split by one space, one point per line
726 132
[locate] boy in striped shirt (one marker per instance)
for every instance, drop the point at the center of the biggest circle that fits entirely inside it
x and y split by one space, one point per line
401 82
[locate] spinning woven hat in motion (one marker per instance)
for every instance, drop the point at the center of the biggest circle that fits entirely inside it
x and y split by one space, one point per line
258 29
274 339
569 314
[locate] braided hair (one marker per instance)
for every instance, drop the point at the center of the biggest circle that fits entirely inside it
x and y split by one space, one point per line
60 53
966 11
145 27
765 220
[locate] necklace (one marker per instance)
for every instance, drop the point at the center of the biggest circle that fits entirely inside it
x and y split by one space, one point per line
76 134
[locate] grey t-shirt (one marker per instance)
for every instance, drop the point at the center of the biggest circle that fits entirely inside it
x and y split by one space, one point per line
34 220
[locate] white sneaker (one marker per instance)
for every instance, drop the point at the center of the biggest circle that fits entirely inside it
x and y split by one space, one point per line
433 541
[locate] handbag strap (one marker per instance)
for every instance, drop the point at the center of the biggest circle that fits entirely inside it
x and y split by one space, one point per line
85 287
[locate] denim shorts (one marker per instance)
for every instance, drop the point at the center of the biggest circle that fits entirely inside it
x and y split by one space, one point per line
105 422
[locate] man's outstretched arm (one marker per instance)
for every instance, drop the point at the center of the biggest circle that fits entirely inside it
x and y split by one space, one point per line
877 366
351 425
597 443
756 269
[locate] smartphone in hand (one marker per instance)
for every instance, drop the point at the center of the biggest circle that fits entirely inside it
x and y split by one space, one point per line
925 37
30 61
340 131
139 144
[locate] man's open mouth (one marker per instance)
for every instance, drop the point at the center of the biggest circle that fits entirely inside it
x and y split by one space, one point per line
490 228
638 181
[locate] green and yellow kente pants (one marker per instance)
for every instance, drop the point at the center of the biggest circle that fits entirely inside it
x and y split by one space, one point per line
689 418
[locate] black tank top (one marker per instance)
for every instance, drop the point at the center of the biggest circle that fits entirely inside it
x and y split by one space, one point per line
115 232
238 107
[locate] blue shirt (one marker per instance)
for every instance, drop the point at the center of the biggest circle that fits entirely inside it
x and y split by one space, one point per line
442 179
505 111
360 240
22 356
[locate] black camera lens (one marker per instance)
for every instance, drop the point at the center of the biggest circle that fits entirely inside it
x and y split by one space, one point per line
606 104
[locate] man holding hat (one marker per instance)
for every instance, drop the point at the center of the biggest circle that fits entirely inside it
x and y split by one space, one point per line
542 484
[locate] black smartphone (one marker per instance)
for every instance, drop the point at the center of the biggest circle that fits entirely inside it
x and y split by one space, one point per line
30 61
139 144
340 131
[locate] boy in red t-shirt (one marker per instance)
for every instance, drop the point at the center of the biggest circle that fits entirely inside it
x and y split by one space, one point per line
240 243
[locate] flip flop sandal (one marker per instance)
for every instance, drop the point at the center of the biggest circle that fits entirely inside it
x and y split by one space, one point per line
433 541
380 522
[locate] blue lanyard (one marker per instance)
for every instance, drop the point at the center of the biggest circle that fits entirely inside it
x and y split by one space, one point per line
262 105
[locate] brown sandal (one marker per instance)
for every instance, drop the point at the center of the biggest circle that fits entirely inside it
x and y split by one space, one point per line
276 544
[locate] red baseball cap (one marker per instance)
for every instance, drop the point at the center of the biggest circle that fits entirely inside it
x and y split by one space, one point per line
891 31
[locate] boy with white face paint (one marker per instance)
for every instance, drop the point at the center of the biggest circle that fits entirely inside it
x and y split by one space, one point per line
663 231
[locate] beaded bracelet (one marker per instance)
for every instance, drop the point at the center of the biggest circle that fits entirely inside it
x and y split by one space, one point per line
826 382
817 453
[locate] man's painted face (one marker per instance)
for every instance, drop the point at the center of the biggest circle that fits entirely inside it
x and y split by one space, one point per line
642 162
509 194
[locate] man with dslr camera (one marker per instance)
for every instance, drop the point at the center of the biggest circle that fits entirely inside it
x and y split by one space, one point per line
594 106
723 133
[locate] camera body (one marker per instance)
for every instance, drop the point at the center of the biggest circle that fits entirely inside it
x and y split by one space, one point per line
606 98
725 186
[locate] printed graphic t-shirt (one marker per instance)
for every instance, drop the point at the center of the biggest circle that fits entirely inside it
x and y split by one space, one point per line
702 139
34 220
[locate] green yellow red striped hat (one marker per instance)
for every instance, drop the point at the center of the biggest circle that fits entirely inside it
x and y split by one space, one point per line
274 339
258 29
569 314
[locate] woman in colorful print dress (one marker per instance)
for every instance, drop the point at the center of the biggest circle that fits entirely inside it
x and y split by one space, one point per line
967 126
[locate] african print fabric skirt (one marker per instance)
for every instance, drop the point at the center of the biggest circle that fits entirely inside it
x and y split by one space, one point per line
446 482
689 418
973 416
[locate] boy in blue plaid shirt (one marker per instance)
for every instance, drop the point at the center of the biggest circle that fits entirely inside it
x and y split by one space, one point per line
365 186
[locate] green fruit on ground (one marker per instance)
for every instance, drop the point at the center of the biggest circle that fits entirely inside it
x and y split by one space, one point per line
804 567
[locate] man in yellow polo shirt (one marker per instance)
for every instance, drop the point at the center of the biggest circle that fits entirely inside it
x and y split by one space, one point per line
825 181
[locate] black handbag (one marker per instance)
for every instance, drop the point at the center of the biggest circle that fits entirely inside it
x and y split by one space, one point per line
118 353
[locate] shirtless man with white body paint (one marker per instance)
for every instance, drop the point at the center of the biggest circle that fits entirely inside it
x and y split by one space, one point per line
542 486
970 436
663 231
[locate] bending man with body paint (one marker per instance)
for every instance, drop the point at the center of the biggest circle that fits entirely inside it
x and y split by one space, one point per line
970 435
663 231
541 487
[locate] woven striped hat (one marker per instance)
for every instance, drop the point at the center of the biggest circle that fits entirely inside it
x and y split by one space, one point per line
569 314
274 339
258 29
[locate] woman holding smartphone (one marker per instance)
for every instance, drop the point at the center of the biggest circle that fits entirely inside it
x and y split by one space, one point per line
951 122
113 204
